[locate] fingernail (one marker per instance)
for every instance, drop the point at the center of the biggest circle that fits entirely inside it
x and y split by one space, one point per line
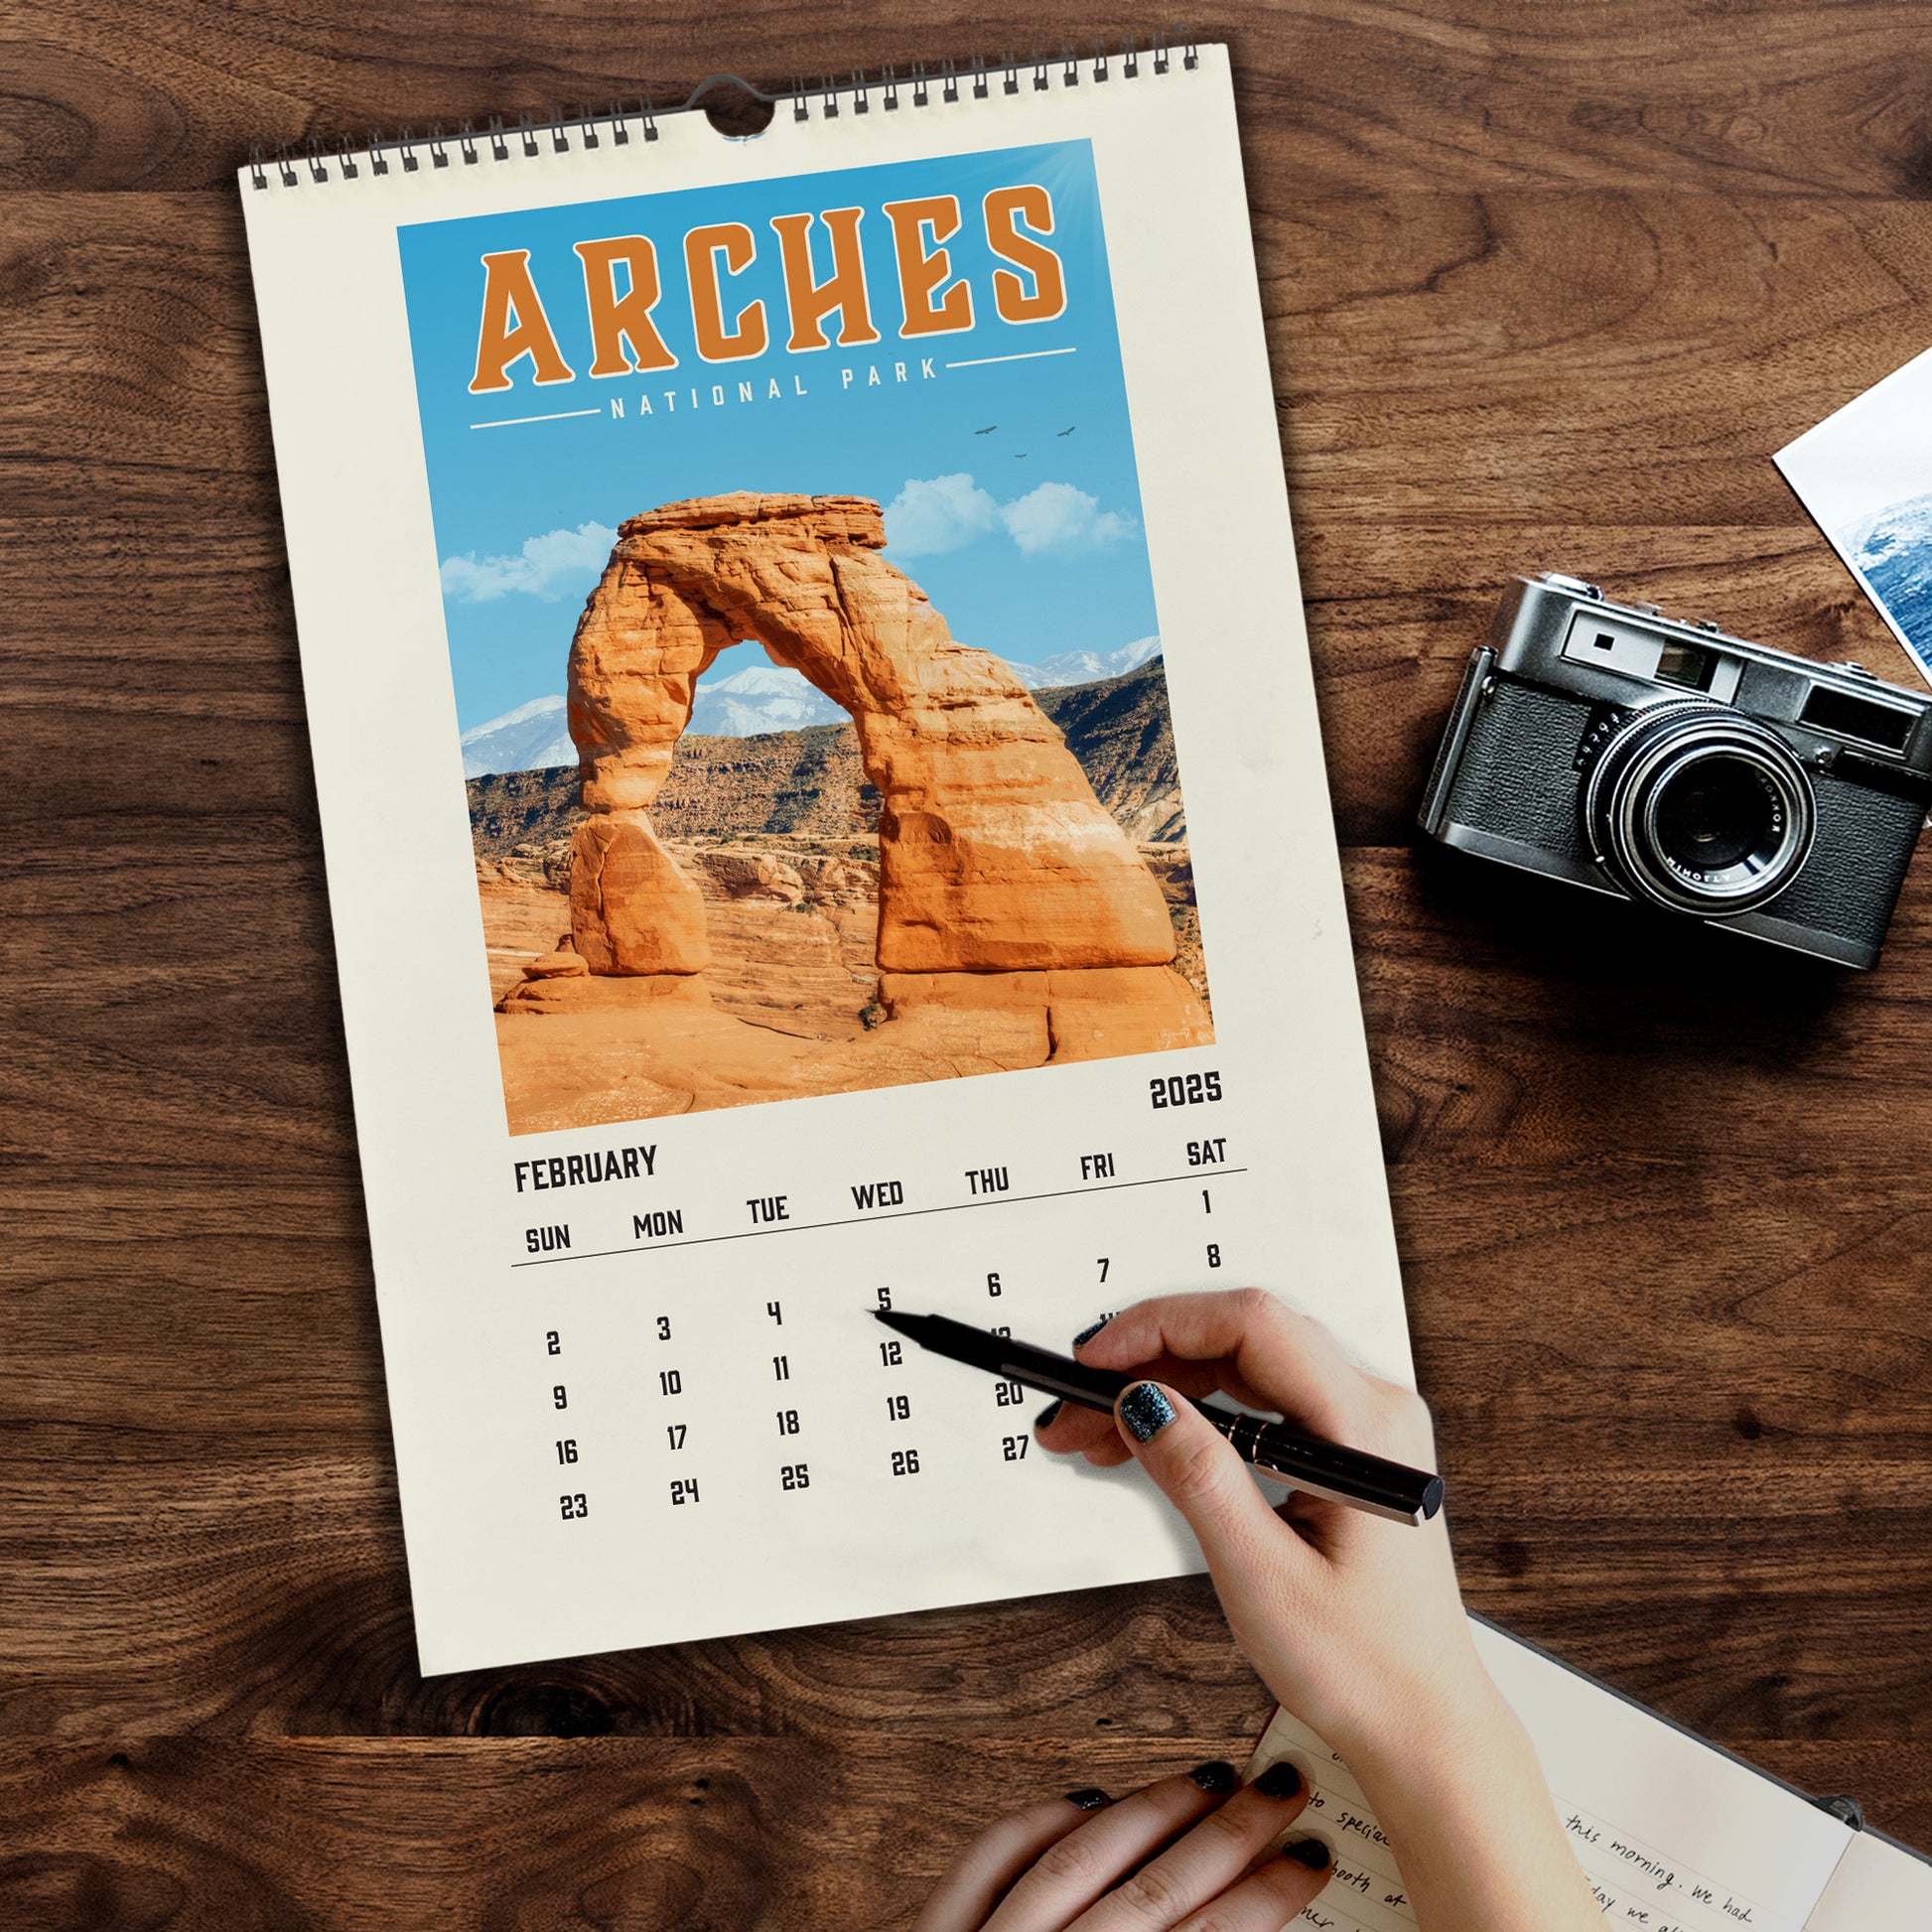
1048 1416
1089 1797
1217 1775
1309 1852
1280 1780
1093 1329
1146 1411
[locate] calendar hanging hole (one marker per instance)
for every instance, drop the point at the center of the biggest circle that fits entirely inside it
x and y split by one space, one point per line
733 108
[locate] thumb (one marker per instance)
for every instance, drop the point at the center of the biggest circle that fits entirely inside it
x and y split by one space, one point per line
1197 1471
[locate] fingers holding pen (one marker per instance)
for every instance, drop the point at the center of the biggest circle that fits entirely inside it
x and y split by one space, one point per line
1257 1350
1197 1469
1066 1429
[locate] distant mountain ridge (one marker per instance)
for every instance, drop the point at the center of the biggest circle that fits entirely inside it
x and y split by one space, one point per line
760 698
811 780
1085 666
531 737
749 703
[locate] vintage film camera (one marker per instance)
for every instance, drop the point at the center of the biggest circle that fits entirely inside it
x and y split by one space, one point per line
1670 763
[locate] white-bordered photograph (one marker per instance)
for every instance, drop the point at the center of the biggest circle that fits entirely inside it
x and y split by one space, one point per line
1865 475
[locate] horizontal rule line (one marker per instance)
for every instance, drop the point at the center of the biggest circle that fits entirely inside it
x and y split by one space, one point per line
855 1220
1025 355
561 415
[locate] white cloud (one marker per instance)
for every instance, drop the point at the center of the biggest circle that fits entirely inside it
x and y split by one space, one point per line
935 514
1057 518
551 567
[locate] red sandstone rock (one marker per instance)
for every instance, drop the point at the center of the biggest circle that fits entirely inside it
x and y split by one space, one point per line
1093 1013
631 912
753 875
993 850
589 993
558 966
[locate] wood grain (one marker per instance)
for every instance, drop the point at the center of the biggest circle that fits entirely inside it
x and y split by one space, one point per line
1545 287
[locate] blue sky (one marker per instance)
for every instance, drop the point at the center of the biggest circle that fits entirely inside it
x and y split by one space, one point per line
1028 540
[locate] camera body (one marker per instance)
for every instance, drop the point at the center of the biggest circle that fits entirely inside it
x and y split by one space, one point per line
1670 763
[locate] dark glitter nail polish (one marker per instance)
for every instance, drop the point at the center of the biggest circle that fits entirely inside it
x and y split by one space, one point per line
1093 1329
1146 1411
1216 1776
1280 1780
1309 1852
1089 1797
1048 1416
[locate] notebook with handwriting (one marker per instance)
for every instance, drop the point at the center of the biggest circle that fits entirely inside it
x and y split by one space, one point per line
1674 1834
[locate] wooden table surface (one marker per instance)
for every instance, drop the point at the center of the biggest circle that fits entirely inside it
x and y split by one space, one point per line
1546 286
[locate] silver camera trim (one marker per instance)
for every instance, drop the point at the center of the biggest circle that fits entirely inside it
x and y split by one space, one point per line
1628 780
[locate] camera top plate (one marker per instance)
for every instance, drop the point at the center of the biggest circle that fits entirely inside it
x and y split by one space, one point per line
1562 633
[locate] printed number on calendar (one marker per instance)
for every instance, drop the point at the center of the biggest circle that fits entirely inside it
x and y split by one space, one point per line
1185 1090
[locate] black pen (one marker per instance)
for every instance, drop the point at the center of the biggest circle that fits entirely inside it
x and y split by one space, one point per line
1305 1462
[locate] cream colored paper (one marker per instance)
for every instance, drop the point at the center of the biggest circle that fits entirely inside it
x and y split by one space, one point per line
1673 1835
496 1577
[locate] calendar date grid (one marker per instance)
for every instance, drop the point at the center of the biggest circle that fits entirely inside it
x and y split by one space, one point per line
837 1401
689 1426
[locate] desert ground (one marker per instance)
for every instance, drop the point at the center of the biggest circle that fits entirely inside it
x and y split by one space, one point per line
790 1005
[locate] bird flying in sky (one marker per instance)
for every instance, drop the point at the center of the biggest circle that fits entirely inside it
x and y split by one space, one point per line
987 431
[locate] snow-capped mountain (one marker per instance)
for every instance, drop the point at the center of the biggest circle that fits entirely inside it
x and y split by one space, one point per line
1085 666
524 740
1894 551
760 698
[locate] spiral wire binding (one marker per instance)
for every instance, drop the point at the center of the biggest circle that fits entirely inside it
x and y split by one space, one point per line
380 152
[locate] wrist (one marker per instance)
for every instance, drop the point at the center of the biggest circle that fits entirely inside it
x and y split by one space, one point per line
1443 1748
1416 1715
1467 1813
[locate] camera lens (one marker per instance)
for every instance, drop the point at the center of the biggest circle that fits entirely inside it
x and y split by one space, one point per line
1697 808
1714 813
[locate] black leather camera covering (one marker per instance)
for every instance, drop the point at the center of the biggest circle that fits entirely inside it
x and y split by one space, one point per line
1518 779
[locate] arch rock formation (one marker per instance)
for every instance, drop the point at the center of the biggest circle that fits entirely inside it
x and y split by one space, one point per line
1004 882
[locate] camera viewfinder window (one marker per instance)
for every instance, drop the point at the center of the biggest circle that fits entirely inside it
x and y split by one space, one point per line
1875 723
1685 664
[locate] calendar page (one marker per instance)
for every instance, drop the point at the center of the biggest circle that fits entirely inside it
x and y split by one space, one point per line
824 812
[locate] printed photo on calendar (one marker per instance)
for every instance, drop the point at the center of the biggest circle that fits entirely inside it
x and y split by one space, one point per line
808 668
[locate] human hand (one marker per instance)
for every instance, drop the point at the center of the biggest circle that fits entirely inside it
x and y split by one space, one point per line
1356 1623
1157 1860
